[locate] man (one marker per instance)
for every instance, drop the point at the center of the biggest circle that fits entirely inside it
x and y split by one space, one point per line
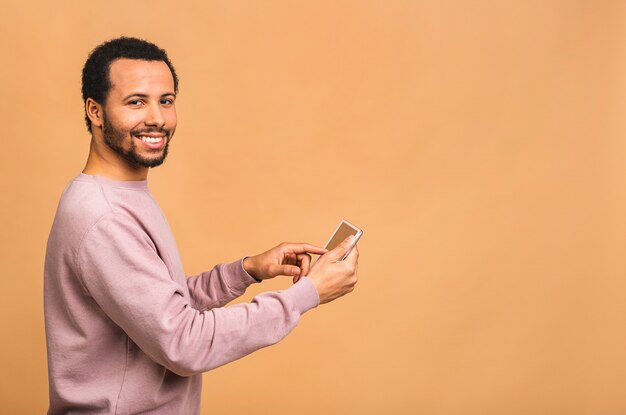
127 332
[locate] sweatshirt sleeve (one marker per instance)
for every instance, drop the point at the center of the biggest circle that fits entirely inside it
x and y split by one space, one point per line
120 268
215 288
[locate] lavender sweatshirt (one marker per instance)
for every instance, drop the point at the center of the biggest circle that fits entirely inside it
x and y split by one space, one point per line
127 332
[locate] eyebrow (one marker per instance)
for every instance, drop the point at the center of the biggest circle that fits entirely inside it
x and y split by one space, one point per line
146 96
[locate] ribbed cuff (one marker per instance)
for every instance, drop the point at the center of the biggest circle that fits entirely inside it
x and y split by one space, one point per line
236 276
305 295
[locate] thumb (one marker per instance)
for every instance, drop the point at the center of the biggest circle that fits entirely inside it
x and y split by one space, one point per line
341 249
289 270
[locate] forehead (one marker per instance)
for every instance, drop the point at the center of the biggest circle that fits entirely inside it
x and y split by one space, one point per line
139 76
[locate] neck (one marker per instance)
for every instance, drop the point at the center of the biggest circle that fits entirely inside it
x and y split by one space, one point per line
103 161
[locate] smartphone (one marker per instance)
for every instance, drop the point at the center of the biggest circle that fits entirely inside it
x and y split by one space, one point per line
343 230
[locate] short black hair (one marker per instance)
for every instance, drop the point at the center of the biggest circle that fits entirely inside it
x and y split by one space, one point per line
96 81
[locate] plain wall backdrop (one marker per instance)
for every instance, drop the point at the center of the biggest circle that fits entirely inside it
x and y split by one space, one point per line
480 145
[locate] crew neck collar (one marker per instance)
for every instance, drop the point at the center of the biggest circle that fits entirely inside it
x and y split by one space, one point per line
124 184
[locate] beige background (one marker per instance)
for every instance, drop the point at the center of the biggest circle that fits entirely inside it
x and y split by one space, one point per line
480 144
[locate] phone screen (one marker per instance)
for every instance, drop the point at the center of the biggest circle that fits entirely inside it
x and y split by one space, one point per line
343 231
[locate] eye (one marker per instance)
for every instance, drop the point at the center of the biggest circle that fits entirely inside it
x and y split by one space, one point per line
135 102
167 101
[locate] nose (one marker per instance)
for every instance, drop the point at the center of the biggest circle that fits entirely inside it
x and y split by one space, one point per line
155 116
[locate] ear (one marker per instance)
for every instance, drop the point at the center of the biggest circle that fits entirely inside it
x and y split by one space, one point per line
94 112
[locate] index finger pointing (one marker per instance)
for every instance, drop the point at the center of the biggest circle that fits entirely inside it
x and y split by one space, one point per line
301 248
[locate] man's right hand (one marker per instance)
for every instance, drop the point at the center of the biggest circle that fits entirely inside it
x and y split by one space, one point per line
332 277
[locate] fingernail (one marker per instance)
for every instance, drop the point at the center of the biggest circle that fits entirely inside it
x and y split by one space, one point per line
351 238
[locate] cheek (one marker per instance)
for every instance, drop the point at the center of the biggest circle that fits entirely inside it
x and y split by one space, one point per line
126 121
132 119
171 119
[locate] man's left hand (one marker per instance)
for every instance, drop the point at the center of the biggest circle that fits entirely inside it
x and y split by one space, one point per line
291 259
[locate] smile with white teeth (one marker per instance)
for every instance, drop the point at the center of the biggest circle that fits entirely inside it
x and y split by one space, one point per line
151 140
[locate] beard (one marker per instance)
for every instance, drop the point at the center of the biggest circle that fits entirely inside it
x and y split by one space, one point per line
114 138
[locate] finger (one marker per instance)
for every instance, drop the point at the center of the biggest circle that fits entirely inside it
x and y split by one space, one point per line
341 249
354 254
301 248
304 260
290 259
289 270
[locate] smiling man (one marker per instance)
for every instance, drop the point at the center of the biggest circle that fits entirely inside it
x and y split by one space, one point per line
134 125
127 331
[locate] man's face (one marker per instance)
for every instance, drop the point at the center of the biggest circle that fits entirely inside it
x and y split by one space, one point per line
139 117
